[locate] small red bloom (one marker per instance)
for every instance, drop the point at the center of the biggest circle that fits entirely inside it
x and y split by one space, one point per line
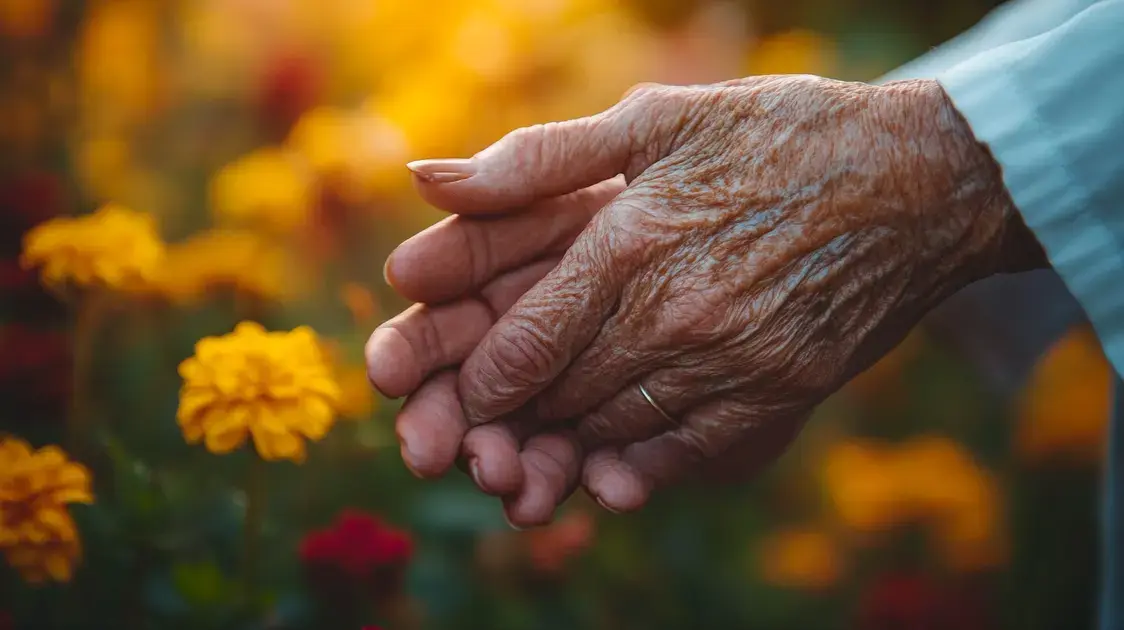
35 373
357 544
27 200
357 559
291 84
913 601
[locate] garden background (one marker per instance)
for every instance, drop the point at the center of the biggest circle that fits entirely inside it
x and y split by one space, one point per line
243 160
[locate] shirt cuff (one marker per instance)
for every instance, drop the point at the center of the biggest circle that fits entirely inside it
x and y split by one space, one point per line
1083 249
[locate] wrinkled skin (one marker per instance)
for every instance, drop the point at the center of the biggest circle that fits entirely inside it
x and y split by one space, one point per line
777 235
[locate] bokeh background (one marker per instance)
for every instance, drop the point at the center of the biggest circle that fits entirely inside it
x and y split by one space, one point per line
246 161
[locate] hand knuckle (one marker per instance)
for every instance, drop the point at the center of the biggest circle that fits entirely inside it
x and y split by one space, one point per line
522 356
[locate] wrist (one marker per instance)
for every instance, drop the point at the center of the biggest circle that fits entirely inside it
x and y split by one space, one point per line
970 196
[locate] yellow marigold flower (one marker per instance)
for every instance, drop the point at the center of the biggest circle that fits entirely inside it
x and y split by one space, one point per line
1064 409
794 52
865 496
238 260
274 386
114 247
355 151
265 188
803 558
37 535
357 397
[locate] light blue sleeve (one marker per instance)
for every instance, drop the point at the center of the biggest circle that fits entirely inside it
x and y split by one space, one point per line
1011 22
1001 325
1051 108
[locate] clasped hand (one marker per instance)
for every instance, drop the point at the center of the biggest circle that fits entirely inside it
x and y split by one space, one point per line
739 250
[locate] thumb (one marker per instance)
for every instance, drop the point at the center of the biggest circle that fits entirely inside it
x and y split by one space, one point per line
549 160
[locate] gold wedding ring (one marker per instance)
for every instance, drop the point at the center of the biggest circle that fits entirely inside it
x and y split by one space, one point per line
654 404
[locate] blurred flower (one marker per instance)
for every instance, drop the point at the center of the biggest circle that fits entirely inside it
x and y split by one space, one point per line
360 302
26 18
266 188
104 165
359 554
550 547
290 85
865 496
962 501
114 247
222 259
26 200
897 601
118 62
357 397
35 376
274 386
432 109
1065 407
928 480
793 52
37 534
801 558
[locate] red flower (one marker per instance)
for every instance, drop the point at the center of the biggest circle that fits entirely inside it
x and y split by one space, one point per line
292 84
35 373
27 200
358 545
912 601
356 560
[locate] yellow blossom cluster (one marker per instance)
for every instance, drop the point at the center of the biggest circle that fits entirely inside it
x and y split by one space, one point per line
115 247
276 387
930 480
1065 406
801 557
239 260
37 534
267 188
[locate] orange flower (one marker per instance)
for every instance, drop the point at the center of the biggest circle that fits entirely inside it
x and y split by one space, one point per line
1064 409
802 558
550 547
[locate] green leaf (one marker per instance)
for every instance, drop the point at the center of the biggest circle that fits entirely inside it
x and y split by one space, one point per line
202 584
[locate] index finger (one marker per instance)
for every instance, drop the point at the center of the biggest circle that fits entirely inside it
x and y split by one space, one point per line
461 253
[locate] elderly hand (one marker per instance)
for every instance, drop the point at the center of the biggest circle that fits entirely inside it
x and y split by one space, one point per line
777 236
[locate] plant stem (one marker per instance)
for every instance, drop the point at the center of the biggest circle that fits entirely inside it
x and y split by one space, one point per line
255 512
87 321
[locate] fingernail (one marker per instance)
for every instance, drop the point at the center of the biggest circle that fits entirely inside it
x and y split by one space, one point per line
510 524
443 171
386 270
606 506
474 471
409 455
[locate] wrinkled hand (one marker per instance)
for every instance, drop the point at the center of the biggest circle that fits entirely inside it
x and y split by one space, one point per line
777 236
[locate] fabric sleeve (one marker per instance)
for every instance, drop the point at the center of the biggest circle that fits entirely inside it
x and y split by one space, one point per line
1051 108
1004 324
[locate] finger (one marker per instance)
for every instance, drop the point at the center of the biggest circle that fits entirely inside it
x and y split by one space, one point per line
737 436
552 322
460 254
430 426
722 441
491 453
551 466
406 349
556 158
629 416
613 483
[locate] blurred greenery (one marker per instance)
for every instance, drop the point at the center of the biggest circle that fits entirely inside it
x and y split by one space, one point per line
147 103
